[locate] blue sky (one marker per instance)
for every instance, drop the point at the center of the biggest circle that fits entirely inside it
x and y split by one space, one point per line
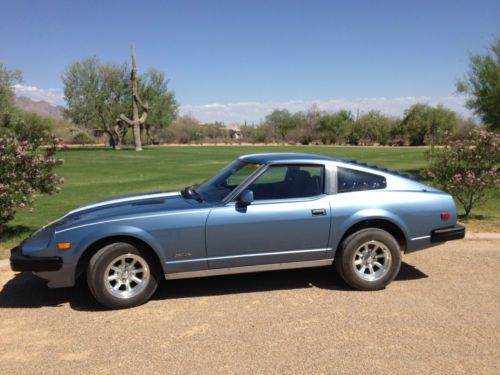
236 60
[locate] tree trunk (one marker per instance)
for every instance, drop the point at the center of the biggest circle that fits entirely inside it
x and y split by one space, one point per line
120 132
149 138
119 141
112 142
467 212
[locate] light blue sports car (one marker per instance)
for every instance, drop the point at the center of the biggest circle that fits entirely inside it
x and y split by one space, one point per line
261 212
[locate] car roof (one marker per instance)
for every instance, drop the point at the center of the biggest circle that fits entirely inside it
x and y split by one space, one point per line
288 157
284 157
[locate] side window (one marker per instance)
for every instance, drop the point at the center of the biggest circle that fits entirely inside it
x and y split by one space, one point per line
289 181
239 176
351 180
273 175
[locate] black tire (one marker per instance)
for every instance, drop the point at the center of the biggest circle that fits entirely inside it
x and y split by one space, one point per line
99 269
349 262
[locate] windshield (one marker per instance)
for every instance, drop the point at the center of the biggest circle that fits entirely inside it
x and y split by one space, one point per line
219 186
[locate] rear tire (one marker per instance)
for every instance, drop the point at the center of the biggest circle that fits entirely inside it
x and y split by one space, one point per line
121 276
368 259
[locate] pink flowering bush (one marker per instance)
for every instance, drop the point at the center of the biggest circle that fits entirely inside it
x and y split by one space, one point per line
25 171
467 169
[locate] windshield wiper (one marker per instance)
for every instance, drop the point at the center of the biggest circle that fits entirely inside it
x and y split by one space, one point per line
190 192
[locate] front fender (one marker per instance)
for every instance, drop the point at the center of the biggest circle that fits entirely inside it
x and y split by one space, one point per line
82 238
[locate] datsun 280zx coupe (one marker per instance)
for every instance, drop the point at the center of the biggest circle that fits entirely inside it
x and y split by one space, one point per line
261 212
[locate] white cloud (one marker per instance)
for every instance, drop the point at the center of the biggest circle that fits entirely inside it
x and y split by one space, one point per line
52 96
255 111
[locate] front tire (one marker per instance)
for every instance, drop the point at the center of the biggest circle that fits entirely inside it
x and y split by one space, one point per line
121 276
369 259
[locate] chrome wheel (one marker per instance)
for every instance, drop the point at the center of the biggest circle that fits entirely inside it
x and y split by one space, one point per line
126 276
372 260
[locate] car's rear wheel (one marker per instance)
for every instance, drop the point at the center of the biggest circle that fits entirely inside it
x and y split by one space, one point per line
369 259
120 275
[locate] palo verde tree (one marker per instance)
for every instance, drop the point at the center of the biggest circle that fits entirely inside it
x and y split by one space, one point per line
163 108
7 79
425 124
96 94
482 86
15 122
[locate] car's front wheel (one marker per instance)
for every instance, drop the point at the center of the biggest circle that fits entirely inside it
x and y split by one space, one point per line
120 276
369 259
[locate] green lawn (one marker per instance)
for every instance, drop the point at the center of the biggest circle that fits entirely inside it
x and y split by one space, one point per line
96 173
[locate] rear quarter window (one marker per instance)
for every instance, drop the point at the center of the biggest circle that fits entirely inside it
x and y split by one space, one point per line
349 180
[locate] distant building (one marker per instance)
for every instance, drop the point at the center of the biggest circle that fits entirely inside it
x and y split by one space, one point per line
234 131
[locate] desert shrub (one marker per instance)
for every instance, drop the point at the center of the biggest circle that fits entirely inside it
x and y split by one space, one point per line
334 127
25 170
262 133
83 139
467 169
26 126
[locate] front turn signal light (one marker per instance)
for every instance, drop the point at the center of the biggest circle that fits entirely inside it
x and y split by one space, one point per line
64 245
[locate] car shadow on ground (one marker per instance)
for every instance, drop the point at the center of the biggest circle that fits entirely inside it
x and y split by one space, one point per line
25 290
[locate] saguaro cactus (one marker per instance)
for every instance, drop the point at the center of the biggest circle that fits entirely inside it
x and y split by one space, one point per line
136 121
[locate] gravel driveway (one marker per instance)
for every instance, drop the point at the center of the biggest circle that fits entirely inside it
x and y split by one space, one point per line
442 315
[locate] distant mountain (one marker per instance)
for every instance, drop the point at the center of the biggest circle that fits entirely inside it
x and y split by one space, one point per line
41 107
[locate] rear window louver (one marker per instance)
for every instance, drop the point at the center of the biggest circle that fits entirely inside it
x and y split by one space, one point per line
377 168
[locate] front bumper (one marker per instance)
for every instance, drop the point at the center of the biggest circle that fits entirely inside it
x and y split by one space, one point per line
456 232
20 262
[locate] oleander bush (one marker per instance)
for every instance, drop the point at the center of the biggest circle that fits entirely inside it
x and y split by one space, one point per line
25 171
468 168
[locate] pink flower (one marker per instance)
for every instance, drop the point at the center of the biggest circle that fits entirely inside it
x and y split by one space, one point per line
61 180
22 205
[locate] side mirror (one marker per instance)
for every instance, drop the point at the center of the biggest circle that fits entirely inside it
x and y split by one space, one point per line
245 198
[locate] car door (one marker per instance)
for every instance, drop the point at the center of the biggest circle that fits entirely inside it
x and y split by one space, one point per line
288 221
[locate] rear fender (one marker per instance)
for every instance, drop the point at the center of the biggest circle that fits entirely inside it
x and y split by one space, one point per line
363 215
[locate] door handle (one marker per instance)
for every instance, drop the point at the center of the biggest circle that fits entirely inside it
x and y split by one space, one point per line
318 212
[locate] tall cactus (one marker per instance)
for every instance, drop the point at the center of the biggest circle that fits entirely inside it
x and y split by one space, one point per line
136 121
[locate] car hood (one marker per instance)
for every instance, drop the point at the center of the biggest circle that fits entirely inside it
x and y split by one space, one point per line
128 205
126 201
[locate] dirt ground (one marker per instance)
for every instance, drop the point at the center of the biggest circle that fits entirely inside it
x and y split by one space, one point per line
441 315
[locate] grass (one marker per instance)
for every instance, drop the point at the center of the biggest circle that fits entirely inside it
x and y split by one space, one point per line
96 173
